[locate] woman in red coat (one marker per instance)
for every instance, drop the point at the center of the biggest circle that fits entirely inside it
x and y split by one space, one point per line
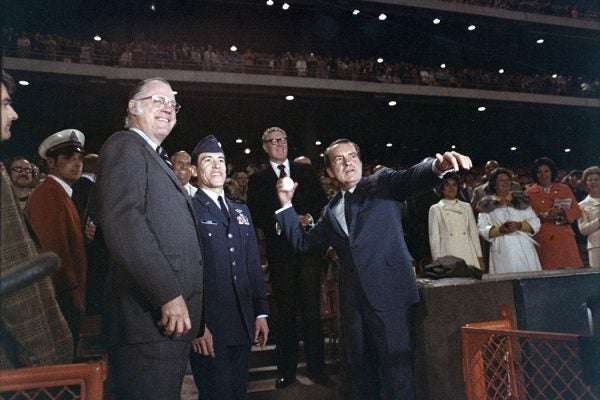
556 207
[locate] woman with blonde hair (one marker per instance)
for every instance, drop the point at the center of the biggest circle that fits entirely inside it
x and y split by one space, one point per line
589 223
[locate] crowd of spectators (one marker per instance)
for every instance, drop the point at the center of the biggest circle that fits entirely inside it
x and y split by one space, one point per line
582 9
193 56
417 210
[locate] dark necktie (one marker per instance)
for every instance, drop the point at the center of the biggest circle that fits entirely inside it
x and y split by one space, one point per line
282 173
347 213
224 209
162 153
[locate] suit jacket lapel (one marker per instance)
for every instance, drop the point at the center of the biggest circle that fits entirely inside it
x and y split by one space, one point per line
160 162
331 215
355 203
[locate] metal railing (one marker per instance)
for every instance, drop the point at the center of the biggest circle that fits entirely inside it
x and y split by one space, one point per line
402 73
78 381
502 363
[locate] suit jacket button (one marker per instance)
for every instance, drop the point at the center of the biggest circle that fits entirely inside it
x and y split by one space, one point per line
233 263
229 235
235 277
231 249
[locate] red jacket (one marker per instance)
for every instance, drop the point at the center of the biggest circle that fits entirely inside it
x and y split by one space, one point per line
558 248
57 224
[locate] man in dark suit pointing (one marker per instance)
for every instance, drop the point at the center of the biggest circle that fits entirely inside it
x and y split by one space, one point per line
377 285
153 297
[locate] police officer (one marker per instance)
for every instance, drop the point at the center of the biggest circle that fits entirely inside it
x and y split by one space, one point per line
235 298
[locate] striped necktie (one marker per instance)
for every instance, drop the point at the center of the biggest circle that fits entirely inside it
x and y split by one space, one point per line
162 153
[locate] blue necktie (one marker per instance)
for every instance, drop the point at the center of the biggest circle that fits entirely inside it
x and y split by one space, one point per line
224 209
347 213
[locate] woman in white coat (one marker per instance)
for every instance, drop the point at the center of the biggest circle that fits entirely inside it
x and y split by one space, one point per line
589 223
452 227
508 222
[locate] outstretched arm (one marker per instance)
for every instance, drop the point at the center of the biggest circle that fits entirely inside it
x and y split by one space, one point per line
452 160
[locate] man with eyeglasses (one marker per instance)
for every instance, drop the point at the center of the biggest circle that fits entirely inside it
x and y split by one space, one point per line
21 175
153 296
295 279
32 327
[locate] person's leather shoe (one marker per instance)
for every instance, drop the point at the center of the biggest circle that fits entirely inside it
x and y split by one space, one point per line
282 382
321 379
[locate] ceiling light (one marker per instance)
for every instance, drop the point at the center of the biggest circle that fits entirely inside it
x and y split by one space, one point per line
436 21
392 103
514 148
270 2
443 66
471 28
382 17
453 146
355 12
285 6
233 48
567 150
501 71
24 83
247 151
318 142
97 38
555 76
238 140
322 155
380 60
152 7
289 97
482 108
389 145
539 41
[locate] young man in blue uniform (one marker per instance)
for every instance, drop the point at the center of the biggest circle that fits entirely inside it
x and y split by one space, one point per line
235 298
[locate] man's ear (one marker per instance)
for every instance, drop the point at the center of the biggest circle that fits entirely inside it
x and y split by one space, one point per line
131 107
330 173
265 148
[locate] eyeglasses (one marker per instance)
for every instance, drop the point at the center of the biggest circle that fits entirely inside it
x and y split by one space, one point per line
274 142
159 101
20 170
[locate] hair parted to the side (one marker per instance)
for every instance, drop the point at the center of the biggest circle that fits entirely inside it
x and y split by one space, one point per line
271 130
335 143
137 89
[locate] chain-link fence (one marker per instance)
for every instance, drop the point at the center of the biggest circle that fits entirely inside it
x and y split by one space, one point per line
502 363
